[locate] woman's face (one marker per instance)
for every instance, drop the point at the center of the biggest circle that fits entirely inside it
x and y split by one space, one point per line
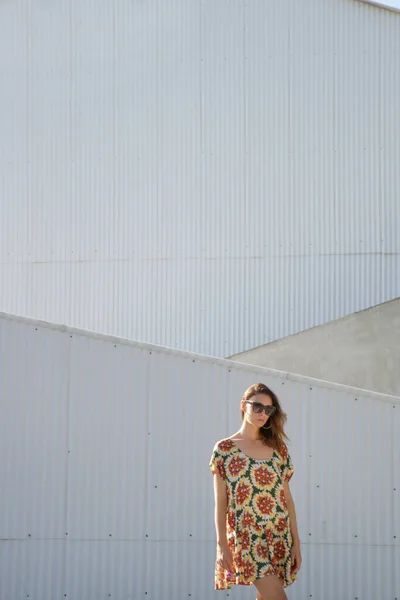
258 419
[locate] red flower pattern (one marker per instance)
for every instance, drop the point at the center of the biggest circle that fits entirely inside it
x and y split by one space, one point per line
281 524
270 537
247 519
232 519
263 476
243 492
280 551
237 465
245 540
249 569
261 550
266 505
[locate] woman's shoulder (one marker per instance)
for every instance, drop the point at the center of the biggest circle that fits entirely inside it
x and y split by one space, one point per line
224 446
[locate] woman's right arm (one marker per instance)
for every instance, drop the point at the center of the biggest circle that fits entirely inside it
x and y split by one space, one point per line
221 504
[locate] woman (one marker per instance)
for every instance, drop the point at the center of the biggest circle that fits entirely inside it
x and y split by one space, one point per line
255 517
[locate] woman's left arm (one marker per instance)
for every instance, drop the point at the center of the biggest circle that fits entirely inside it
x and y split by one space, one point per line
296 553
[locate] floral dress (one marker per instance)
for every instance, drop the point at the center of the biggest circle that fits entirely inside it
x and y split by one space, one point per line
257 518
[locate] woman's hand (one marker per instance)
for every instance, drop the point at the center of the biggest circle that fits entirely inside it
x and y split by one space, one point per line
224 556
296 558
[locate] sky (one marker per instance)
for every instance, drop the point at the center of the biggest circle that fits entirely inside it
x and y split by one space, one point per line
394 3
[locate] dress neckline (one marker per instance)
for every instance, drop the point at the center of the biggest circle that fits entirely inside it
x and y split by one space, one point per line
250 457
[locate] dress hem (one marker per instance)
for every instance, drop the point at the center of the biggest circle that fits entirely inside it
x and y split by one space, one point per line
229 587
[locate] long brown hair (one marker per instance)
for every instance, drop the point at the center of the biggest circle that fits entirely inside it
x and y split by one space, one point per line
274 436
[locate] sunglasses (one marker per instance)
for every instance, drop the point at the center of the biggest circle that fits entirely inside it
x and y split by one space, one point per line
258 407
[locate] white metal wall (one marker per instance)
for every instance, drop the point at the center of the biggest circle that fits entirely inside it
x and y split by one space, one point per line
105 485
208 175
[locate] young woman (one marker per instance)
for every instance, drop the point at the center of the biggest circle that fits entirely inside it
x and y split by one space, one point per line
255 517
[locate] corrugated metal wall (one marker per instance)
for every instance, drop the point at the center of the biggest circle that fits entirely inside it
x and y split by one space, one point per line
210 175
106 490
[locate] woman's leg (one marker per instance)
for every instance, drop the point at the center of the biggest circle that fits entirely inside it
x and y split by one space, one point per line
270 588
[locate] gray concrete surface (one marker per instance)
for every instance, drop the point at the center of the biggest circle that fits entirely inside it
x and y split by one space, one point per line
361 350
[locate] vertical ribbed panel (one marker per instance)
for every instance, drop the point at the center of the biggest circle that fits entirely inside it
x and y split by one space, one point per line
209 175
106 490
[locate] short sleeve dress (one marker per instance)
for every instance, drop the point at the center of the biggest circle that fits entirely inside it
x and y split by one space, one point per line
257 518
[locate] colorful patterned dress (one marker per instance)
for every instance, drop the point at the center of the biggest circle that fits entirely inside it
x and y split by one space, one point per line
257 519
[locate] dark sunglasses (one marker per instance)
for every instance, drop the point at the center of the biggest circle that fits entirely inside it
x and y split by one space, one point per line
258 408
